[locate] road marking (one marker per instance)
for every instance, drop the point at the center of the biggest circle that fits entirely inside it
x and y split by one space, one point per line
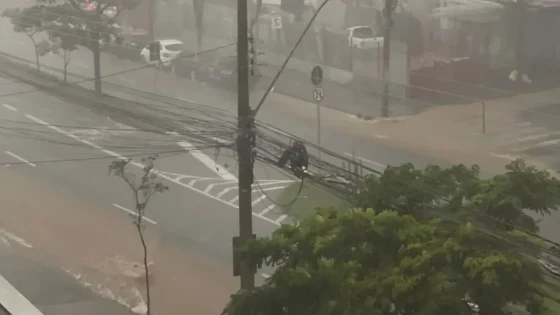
13 109
81 64
529 138
163 176
13 301
194 181
55 128
382 166
134 213
211 186
234 199
17 157
225 191
504 156
267 209
281 218
256 201
12 237
538 145
91 144
264 275
207 161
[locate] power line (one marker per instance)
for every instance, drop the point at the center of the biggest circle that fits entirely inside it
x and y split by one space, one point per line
260 104
106 157
103 76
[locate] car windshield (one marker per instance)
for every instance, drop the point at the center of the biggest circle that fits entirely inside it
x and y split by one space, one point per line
363 32
174 47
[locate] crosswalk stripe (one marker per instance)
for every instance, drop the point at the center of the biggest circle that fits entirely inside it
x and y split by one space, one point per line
531 138
511 136
538 145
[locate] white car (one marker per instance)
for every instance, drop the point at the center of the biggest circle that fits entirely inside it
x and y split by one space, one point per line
169 50
363 37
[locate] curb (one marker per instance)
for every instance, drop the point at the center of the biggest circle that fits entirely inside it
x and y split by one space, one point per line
14 302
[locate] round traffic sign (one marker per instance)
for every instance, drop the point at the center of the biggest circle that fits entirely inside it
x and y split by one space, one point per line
318 94
317 75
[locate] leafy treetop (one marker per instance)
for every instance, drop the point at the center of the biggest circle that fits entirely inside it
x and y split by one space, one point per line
380 262
504 198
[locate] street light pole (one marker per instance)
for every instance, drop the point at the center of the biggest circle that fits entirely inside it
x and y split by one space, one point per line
245 139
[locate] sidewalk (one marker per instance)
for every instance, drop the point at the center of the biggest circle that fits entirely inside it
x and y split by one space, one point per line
46 289
361 97
524 126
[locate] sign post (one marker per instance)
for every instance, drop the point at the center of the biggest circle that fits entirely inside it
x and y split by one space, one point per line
318 95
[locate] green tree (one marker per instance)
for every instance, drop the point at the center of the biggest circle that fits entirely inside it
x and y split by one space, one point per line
64 36
503 200
29 21
97 26
381 262
143 189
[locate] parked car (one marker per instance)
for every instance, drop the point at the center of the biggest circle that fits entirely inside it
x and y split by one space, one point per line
223 72
169 50
364 37
187 65
126 49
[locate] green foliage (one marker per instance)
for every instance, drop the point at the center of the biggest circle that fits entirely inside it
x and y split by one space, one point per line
504 198
368 262
403 261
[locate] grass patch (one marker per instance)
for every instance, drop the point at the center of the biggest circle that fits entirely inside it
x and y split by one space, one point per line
311 197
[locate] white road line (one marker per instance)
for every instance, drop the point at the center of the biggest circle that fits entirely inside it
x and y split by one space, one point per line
503 156
256 201
234 199
225 191
12 237
211 186
207 161
194 181
134 213
382 166
55 128
13 109
91 144
17 157
13 301
264 275
267 209
530 138
281 218
537 145
163 176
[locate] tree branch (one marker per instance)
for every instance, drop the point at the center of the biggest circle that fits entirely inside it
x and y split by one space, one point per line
75 5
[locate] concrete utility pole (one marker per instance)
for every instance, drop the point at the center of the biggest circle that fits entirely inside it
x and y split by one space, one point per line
520 43
390 6
245 142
